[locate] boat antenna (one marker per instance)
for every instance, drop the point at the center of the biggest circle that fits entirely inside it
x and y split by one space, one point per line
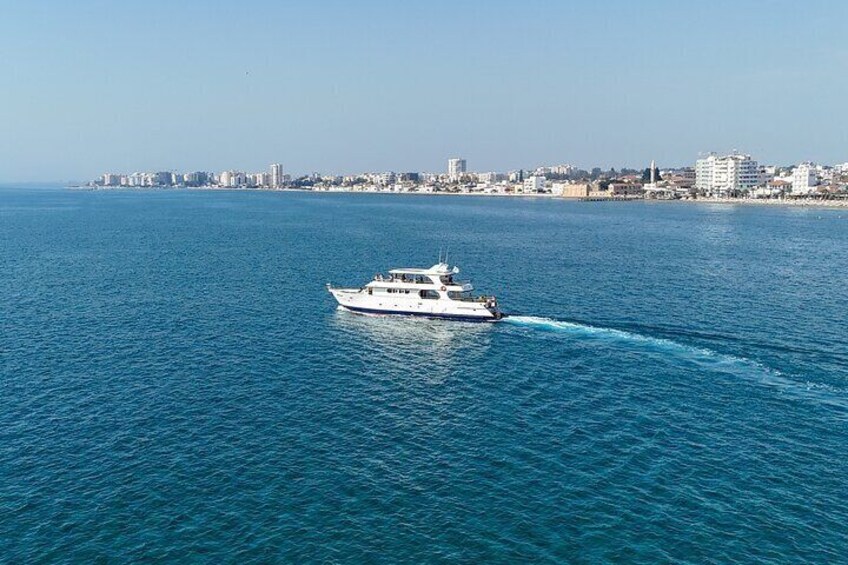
447 251
440 254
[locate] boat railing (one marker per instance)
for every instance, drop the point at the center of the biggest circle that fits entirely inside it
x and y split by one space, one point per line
380 278
481 299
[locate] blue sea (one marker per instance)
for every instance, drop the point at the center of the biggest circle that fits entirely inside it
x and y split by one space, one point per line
176 384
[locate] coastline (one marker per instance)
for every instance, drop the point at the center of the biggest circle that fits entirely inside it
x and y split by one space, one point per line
803 203
799 203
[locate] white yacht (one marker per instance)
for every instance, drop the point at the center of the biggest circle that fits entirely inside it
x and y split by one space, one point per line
431 293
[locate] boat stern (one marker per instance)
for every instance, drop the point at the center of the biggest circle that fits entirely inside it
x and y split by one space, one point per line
491 304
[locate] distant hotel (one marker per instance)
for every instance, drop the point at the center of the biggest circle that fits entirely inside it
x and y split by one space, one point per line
533 185
804 179
276 180
456 168
728 175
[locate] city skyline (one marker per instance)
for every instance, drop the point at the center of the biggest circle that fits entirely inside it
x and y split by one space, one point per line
456 166
734 175
295 173
374 86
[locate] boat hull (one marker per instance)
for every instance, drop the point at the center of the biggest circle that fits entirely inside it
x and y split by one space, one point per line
356 300
429 315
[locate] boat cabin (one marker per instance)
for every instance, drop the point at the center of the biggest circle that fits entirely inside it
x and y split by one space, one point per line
439 279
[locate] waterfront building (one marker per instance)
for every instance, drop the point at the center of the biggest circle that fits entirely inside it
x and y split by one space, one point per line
824 174
773 188
680 178
764 177
197 178
135 179
456 168
385 179
622 189
110 179
163 178
804 180
576 190
373 178
232 179
254 180
276 175
490 178
727 175
534 185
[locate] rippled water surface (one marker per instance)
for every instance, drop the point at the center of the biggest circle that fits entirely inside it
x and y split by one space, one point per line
177 385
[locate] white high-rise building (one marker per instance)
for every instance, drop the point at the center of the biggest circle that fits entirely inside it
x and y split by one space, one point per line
110 179
456 168
562 169
276 175
385 179
232 179
136 179
533 185
489 178
804 179
723 176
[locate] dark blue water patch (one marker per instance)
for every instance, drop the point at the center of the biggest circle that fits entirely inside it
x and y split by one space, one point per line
178 385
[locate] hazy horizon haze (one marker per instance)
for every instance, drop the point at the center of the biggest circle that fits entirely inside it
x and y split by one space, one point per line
342 87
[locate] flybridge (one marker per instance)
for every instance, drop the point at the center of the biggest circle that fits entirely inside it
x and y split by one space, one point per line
437 269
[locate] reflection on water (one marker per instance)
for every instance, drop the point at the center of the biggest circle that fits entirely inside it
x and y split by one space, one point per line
430 347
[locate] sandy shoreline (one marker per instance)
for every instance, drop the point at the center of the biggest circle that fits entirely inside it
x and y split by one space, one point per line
802 203
806 203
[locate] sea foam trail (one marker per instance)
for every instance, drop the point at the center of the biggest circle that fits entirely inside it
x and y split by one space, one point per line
599 332
700 357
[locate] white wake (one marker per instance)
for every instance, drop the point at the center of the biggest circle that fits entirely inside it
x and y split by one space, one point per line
694 356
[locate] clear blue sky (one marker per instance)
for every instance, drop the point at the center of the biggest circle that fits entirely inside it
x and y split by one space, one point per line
346 86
